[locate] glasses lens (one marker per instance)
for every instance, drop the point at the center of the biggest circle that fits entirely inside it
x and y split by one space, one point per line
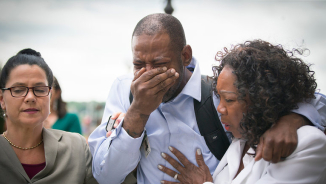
18 91
41 91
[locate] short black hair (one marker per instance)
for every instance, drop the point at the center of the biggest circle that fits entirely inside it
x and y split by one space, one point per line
160 22
25 56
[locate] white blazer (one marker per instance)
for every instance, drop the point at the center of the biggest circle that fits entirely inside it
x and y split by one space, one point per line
307 164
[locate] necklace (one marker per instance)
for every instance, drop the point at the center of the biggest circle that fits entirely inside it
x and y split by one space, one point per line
19 146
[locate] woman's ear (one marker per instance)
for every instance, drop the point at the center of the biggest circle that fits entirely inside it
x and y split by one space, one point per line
2 103
186 55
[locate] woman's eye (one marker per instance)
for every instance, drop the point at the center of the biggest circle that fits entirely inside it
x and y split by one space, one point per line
229 100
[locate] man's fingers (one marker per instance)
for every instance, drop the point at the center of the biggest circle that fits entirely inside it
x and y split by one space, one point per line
164 86
167 171
166 77
268 146
259 150
117 122
138 73
116 115
145 76
277 152
173 162
108 133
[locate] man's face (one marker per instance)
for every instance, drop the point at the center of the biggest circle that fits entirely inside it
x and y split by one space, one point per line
153 51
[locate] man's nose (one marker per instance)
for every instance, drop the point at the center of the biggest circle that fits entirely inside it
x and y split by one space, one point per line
148 67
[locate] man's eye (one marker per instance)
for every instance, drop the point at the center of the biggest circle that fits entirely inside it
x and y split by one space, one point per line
138 65
160 64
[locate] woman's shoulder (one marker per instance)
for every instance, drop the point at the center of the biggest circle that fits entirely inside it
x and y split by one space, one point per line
310 132
310 138
64 136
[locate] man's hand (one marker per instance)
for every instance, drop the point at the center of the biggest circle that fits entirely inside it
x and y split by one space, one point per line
148 89
281 139
118 117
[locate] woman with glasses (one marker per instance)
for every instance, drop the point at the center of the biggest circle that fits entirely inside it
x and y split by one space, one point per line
30 153
257 83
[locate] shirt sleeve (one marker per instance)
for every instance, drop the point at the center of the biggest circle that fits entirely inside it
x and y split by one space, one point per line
314 110
306 164
116 156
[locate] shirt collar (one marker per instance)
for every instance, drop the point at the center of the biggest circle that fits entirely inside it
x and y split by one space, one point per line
193 86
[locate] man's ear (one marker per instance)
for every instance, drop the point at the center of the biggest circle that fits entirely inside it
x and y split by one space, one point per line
186 55
2 103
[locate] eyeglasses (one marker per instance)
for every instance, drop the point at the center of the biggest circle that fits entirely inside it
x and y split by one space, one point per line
21 91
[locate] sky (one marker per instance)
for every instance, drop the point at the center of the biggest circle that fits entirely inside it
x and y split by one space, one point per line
87 43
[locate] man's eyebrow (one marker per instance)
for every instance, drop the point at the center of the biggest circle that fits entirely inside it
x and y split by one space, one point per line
138 61
161 58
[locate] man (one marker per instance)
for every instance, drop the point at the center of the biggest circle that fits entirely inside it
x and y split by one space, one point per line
163 93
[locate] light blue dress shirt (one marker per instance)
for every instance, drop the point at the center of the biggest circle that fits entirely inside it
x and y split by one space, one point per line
171 124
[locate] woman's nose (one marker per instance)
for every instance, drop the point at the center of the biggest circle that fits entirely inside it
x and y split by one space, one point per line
221 109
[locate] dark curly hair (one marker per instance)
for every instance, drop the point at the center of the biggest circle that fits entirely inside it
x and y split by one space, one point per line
273 80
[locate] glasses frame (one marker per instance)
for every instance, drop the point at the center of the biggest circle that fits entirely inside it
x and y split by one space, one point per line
28 88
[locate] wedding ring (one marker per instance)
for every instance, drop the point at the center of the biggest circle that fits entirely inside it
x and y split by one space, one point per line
176 176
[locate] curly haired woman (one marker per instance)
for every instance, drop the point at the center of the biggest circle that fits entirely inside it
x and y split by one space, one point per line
258 83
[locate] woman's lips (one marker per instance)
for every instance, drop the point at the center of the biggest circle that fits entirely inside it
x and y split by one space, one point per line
31 111
226 126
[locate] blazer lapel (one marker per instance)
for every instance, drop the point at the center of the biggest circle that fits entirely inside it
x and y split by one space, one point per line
51 142
234 157
11 155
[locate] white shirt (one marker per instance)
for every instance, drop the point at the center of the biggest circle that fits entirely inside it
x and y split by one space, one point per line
307 164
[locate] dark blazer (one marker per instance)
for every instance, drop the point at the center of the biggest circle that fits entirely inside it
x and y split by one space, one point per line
67 156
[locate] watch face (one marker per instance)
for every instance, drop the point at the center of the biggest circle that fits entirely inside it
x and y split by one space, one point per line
109 124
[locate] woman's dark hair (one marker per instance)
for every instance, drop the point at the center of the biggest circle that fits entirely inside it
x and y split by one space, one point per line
61 105
25 56
273 80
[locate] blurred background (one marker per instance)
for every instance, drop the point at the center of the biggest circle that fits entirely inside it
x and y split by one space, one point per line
87 42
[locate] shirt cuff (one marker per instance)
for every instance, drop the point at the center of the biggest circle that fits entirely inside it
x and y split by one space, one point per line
122 141
309 111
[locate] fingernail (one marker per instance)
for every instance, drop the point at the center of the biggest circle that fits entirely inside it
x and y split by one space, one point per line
163 155
162 181
164 68
198 151
176 74
159 167
170 148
